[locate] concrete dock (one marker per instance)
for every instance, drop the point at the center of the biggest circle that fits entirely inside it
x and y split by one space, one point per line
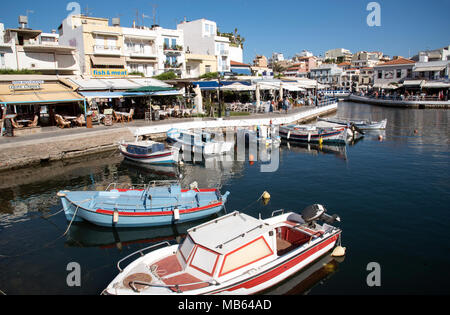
55 144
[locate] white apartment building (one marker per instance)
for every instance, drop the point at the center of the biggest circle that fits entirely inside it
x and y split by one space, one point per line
200 37
24 48
345 54
114 51
327 74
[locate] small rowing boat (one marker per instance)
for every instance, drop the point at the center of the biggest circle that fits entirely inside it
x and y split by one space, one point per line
159 203
361 124
149 152
235 254
314 134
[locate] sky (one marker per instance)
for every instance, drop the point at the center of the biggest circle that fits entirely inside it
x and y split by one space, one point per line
285 26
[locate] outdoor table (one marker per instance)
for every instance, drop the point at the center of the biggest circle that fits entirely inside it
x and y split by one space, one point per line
24 122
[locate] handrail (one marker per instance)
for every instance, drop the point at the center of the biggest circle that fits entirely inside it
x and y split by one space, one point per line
141 251
176 286
276 211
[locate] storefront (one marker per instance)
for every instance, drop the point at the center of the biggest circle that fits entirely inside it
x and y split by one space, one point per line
35 100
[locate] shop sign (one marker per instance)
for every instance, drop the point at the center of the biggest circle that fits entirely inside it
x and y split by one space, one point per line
26 85
115 73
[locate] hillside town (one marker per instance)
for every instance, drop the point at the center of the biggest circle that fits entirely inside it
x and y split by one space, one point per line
87 62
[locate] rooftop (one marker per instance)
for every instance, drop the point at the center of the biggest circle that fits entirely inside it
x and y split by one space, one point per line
399 61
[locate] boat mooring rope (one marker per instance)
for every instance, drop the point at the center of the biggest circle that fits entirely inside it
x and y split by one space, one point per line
52 215
70 224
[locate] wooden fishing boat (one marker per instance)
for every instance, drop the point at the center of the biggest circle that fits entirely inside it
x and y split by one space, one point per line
159 203
198 142
361 124
314 134
149 152
234 254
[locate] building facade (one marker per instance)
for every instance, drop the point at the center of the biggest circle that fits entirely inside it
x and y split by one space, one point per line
23 48
201 38
393 72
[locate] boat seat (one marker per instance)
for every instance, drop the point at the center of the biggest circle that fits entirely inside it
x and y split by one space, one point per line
283 246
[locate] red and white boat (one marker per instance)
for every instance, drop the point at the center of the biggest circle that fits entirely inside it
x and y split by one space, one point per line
234 254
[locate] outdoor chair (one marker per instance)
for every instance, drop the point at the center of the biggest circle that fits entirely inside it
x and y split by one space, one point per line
80 121
129 116
116 117
35 121
61 122
15 124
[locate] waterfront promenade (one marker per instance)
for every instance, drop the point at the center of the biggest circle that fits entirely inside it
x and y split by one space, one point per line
55 144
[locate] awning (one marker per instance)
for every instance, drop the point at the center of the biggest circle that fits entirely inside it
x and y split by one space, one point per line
428 68
436 85
151 89
413 83
108 61
48 93
238 87
105 94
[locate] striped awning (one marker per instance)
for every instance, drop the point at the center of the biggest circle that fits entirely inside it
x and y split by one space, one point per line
108 61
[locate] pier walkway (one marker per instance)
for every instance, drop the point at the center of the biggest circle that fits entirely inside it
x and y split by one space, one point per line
54 144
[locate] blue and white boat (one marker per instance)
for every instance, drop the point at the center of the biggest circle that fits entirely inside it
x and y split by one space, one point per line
198 142
156 204
149 152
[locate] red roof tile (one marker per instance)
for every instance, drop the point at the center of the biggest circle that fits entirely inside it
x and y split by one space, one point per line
399 61
235 63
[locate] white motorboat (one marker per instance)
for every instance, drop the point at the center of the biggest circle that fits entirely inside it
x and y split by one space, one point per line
198 142
235 254
263 135
361 124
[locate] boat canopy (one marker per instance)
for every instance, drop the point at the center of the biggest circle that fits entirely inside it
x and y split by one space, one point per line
234 231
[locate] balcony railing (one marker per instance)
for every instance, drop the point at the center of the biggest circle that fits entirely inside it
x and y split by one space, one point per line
173 49
169 65
107 49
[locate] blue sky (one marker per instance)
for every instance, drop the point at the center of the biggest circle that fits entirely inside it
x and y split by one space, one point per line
286 26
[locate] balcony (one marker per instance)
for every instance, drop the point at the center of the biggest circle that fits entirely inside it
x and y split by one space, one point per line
142 53
107 50
174 50
172 66
224 52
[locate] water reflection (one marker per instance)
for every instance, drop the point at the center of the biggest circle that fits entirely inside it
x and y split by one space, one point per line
304 281
88 235
340 151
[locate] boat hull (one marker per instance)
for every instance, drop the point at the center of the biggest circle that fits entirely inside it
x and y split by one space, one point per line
78 211
165 157
363 125
336 136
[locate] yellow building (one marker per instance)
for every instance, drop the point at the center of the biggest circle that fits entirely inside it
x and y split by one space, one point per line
197 65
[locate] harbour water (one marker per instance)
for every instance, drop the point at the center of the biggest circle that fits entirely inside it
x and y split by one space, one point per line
392 195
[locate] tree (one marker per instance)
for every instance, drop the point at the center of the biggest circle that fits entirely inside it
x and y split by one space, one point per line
278 68
170 75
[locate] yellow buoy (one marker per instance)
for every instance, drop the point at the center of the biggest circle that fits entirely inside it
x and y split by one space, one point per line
266 195
339 251
320 141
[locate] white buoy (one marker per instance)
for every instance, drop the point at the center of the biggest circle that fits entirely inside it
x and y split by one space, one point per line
176 214
339 251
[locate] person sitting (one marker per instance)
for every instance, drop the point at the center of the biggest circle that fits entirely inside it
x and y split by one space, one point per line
35 121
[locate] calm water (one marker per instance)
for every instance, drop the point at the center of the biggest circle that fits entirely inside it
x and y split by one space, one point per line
393 197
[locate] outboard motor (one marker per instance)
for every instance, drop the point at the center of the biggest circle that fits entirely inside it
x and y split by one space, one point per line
316 212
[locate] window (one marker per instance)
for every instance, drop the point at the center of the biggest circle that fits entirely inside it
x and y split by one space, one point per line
188 70
380 74
409 73
204 260
246 255
166 43
399 73
207 69
186 248
2 59
174 43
